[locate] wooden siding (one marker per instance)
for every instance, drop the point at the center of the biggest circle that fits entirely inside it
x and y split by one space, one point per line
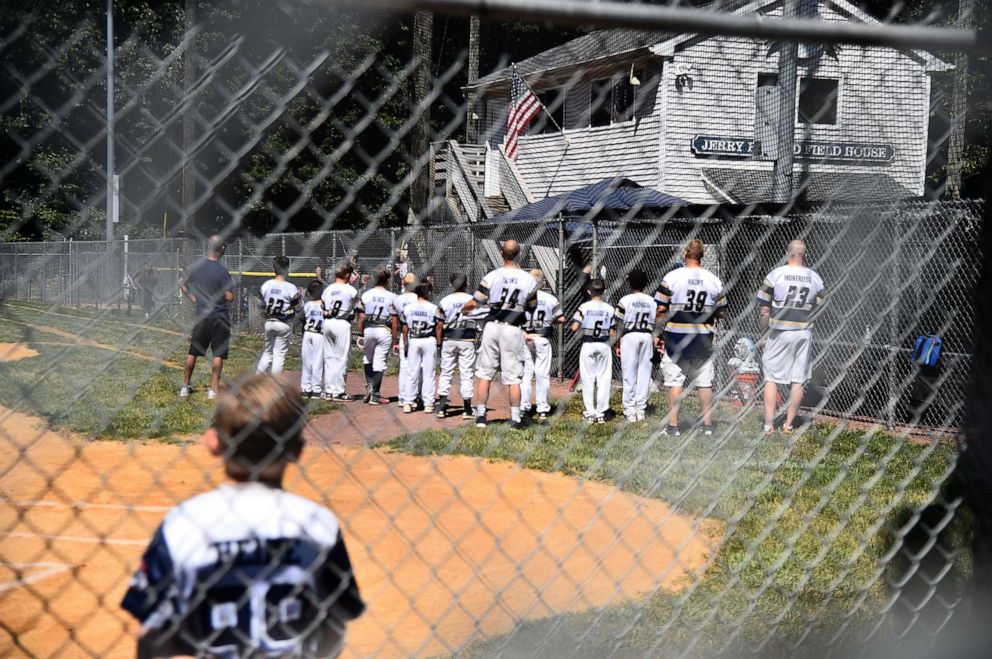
883 98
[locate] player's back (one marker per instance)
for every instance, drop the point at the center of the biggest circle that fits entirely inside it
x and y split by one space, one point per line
546 311
403 299
378 306
793 291
421 318
339 300
313 316
457 326
510 292
638 312
692 296
595 318
279 297
246 568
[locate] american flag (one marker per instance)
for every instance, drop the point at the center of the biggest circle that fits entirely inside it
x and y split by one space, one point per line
524 106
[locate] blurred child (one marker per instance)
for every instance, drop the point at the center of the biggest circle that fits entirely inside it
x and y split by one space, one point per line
279 302
247 569
637 315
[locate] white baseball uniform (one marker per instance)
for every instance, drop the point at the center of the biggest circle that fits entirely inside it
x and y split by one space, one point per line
280 298
792 295
339 303
636 317
377 305
312 348
458 347
420 318
595 319
407 381
691 299
537 354
510 293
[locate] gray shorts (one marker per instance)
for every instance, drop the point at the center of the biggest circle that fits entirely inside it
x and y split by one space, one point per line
502 347
787 358
687 372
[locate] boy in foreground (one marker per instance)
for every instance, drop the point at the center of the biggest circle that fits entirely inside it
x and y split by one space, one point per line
247 569
594 319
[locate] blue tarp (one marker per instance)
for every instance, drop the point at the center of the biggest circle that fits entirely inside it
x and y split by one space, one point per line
612 194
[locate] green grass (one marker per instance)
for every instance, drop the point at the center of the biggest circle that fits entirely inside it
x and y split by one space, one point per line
124 393
809 520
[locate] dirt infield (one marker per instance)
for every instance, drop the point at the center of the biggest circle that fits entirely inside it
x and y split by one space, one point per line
445 550
11 352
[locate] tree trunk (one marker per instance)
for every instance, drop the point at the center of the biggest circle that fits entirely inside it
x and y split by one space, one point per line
959 109
189 127
423 24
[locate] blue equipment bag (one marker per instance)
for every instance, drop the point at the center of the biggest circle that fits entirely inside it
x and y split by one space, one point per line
926 352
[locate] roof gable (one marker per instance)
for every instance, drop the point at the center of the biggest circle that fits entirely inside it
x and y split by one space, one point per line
602 44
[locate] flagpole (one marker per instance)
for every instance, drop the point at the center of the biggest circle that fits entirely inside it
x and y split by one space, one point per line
546 111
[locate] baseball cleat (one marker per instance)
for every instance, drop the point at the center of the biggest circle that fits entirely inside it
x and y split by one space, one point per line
468 414
211 394
429 409
671 431
600 419
707 430
480 421
184 391
407 408
374 399
342 397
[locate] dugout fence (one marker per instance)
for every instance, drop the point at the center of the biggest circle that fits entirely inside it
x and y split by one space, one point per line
330 132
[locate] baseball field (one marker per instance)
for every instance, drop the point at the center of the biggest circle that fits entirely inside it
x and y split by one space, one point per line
473 540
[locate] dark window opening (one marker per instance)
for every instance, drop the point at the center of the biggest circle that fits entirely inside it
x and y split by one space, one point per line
601 112
767 79
553 101
818 101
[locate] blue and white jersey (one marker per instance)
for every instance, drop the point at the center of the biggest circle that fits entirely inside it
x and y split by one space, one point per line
245 569
313 316
456 326
400 302
545 314
595 320
378 306
280 299
637 312
692 298
510 293
421 318
339 301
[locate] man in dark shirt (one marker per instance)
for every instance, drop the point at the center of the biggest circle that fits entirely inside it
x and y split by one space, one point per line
209 287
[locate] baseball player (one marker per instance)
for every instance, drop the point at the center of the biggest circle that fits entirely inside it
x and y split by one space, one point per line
339 301
312 347
693 299
595 320
280 300
537 356
408 385
510 293
457 347
247 569
377 325
637 315
788 301
422 332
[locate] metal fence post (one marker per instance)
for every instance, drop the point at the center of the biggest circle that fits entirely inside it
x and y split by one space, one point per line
896 293
561 297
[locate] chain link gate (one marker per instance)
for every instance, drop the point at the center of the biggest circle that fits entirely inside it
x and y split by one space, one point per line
559 538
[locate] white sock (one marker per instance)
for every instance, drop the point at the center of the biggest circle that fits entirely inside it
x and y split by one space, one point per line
480 410
514 414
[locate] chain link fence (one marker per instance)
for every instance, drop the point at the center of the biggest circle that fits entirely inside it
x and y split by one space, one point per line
332 134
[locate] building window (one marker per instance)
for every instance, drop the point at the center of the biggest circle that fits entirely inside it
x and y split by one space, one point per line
612 101
767 79
553 101
817 101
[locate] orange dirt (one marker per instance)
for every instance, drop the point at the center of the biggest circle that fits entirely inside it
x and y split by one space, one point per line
11 352
446 550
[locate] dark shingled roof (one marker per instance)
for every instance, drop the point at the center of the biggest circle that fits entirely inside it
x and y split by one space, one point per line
601 43
746 186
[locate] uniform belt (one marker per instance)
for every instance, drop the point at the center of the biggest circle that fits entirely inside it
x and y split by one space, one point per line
315 331
421 336
637 331
546 332
589 339
460 334
281 319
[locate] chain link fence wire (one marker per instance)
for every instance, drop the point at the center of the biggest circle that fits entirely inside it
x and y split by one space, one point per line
332 135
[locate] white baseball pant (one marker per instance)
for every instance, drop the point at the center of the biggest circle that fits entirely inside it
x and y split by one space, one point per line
406 381
378 342
337 346
596 371
275 346
420 362
461 354
312 356
636 351
537 369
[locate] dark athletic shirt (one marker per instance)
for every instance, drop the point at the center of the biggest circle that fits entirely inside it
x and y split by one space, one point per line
208 281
